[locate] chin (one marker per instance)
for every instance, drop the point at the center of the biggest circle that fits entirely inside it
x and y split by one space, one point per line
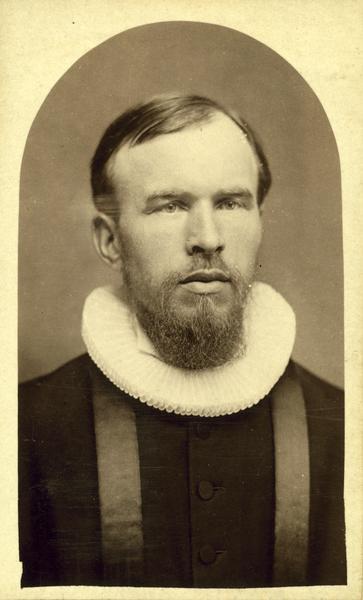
195 331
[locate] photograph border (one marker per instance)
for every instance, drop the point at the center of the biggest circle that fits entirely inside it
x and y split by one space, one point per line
36 56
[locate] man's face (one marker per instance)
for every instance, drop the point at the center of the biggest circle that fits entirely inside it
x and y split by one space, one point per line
189 228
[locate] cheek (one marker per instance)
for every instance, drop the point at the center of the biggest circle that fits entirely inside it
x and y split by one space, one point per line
244 241
255 237
153 235
148 255
136 252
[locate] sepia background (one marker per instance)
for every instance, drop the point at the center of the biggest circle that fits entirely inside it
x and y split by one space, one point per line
302 249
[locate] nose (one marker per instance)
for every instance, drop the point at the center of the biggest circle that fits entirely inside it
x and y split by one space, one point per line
203 234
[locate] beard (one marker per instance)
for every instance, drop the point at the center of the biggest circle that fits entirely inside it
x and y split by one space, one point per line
202 335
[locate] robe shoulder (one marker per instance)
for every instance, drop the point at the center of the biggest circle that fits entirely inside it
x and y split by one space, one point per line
325 418
58 479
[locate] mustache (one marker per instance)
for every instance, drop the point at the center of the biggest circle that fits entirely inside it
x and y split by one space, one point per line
209 263
215 263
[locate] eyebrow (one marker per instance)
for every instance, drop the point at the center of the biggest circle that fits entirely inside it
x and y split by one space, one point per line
234 192
238 192
165 195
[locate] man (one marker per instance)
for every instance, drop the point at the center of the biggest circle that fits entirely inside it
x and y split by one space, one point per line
185 449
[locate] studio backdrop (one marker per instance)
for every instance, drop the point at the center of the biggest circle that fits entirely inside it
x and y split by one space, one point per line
301 254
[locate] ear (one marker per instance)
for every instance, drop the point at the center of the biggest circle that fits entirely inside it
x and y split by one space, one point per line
106 240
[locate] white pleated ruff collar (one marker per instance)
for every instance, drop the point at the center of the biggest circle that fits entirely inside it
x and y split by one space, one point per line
126 356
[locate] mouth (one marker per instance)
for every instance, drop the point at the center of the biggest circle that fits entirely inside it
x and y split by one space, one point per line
206 282
206 276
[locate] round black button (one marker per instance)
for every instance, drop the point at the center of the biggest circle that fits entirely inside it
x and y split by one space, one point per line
207 554
202 430
205 490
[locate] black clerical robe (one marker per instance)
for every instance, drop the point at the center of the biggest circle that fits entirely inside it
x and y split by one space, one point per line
207 489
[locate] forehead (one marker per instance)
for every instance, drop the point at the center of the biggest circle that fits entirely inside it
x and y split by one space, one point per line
200 157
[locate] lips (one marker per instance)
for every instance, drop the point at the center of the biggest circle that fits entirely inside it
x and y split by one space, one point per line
206 276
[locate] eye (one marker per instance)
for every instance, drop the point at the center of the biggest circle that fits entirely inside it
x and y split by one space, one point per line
171 207
229 204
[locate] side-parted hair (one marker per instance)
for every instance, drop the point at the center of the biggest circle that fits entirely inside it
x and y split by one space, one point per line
160 116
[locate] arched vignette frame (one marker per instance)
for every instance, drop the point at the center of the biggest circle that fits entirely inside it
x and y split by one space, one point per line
302 250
